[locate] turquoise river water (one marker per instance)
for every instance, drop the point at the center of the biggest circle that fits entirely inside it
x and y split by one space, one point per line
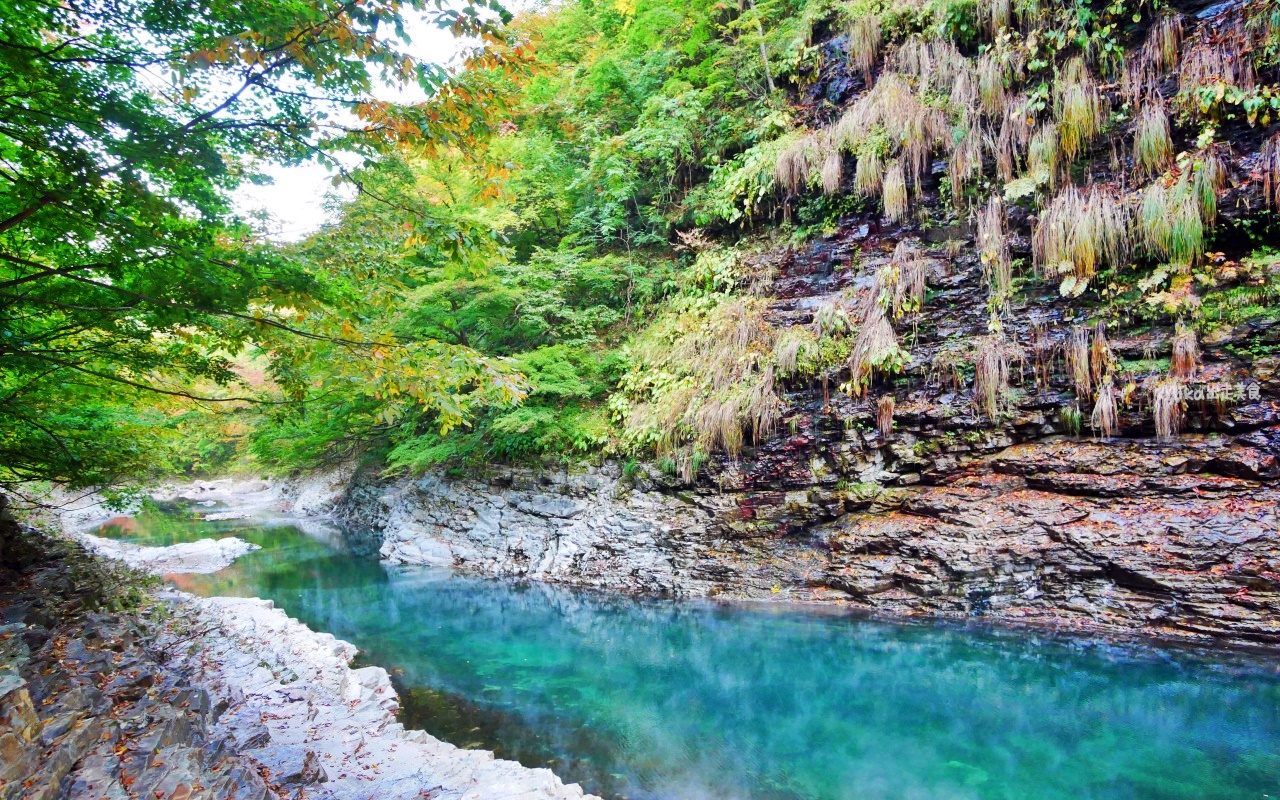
665 699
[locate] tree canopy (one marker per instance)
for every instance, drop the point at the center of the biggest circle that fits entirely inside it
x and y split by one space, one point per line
125 275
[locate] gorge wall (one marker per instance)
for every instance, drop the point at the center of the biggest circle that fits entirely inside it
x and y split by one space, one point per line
949 508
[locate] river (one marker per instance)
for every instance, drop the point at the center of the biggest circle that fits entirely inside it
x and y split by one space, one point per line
691 699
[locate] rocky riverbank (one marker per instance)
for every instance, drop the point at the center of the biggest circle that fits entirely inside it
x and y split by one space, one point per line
1177 540
187 697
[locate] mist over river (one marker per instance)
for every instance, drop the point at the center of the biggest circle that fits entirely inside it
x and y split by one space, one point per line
691 699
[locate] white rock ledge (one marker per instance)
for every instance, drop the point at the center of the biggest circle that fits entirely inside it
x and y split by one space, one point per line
293 700
204 556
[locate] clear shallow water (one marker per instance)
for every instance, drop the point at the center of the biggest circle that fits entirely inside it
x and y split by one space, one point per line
698 700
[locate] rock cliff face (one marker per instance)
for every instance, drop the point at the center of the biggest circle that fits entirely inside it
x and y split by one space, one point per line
1178 540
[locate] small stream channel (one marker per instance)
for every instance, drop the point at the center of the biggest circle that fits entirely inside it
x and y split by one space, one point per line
657 699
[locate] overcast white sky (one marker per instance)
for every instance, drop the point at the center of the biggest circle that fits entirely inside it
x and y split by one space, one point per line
295 201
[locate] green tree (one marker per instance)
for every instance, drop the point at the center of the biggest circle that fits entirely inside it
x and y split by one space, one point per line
125 276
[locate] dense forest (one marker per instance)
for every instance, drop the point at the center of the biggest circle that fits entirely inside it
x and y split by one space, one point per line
568 251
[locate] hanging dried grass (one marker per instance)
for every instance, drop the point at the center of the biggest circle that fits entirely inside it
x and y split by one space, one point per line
1166 407
894 192
993 251
1043 354
1269 164
791 170
1104 419
1043 155
1077 352
1152 144
1210 177
901 282
1101 358
1185 361
1171 223
869 174
1078 233
1079 107
864 44
875 345
991 375
884 416
832 168
965 163
991 84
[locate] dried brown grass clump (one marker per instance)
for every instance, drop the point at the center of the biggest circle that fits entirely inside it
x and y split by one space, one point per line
945 367
993 250
791 347
1078 233
865 40
991 84
991 375
894 192
875 346
898 288
1104 419
707 381
914 128
1101 358
1012 141
1185 361
831 319
1166 407
1079 107
996 15
884 416
1044 161
1077 352
1217 54
1164 41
